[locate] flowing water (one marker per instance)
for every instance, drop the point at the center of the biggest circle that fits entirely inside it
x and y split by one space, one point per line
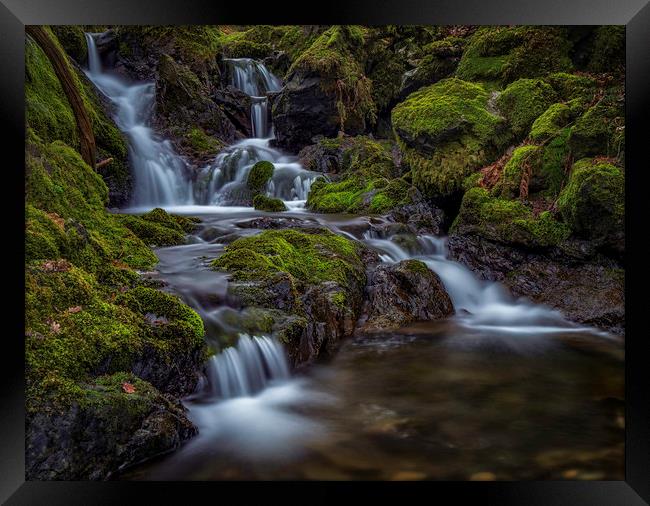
504 389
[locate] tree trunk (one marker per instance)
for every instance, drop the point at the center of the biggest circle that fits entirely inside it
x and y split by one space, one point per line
65 75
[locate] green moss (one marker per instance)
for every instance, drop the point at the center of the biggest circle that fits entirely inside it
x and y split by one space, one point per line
551 122
503 54
608 51
187 324
550 174
334 56
507 221
259 175
158 228
73 40
47 110
312 256
513 171
600 130
571 86
271 205
446 131
593 201
417 267
59 182
523 101
201 144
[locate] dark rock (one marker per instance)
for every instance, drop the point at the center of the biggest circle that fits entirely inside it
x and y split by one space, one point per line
236 105
91 442
586 288
405 292
421 217
302 111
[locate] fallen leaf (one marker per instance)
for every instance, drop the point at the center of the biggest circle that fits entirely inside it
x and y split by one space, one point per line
128 388
55 327
75 309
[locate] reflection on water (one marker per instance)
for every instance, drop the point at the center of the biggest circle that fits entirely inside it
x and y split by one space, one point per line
506 391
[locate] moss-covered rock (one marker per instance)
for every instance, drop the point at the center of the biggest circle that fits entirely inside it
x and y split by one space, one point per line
600 131
59 182
263 203
524 101
521 162
501 54
507 221
551 122
572 87
593 202
259 176
326 90
312 280
446 131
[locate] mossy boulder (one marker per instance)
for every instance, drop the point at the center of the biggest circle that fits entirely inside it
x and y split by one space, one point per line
593 202
326 90
71 221
507 221
313 279
263 203
524 101
158 228
73 40
447 131
522 161
502 54
550 122
572 86
600 131
608 49
259 176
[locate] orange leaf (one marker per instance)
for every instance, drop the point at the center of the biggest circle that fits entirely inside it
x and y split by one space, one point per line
128 388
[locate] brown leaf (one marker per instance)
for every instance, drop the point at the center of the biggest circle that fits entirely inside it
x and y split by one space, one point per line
128 388
55 327
75 309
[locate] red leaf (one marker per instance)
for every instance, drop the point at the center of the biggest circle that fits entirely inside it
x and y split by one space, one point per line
128 388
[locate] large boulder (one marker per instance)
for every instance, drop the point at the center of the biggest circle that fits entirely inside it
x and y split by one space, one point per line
405 292
308 283
326 91
447 131
593 203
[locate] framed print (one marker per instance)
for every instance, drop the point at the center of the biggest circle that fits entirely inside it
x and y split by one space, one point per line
267 253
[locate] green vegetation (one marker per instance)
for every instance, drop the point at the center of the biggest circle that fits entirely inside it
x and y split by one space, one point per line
523 101
263 203
446 131
593 201
260 174
501 54
507 221
522 159
312 256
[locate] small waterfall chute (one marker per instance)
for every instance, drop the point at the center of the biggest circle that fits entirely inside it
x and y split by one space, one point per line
247 368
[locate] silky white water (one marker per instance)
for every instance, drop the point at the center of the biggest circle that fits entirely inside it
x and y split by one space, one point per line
160 174
224 179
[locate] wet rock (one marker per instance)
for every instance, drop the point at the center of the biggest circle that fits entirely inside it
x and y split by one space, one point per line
421 217
302 111
405 292
92 441
586 288
268 223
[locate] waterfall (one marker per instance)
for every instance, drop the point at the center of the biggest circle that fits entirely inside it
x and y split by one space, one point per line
159 172
224 179
247 368
479 304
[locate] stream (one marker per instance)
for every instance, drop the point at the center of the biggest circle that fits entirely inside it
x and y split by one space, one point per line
505 389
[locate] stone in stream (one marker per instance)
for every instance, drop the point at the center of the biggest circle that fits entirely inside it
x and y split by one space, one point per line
404 292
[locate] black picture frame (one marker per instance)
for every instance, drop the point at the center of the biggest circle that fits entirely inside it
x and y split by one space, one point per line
635 14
